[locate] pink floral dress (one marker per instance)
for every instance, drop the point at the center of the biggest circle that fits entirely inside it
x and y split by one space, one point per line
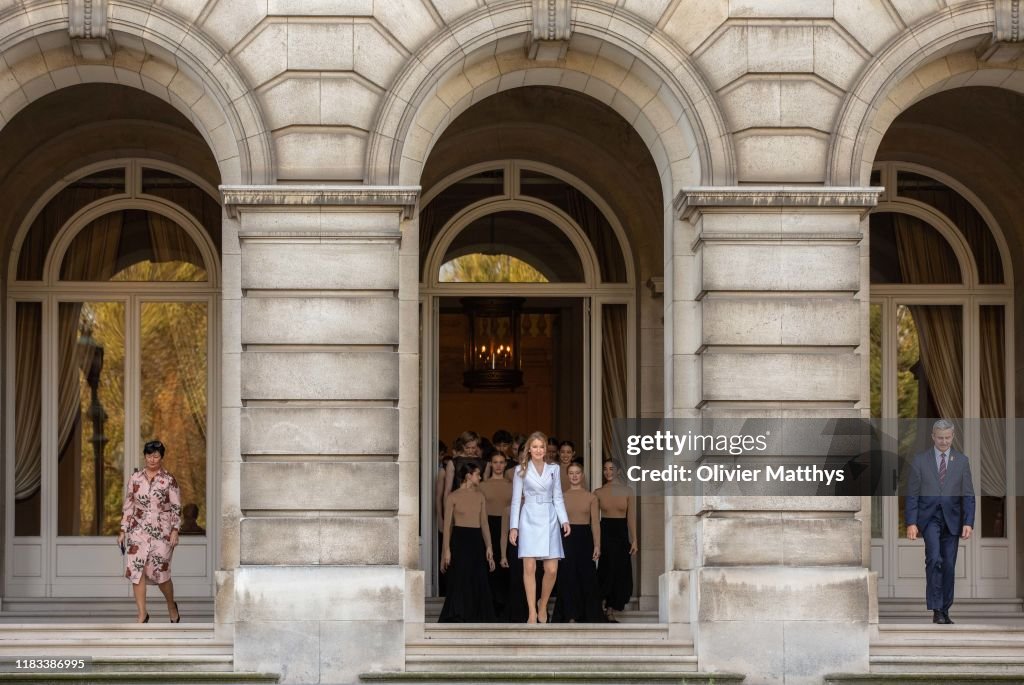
151 511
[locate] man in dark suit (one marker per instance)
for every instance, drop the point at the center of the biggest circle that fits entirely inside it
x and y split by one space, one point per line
940 508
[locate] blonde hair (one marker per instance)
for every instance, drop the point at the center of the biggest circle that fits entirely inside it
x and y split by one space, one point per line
524 453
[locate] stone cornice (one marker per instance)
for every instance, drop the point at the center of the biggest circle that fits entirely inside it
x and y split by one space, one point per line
253 197
692 200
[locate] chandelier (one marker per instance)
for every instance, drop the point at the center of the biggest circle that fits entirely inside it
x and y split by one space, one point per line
492 351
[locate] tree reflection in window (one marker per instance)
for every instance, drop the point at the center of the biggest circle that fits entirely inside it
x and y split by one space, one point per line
486 268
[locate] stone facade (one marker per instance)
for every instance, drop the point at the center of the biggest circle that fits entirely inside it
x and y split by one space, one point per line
762 121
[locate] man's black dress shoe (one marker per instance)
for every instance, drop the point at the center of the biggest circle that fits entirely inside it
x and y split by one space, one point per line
937 617
947 620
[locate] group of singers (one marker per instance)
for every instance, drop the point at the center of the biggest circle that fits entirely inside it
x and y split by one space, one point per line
503 505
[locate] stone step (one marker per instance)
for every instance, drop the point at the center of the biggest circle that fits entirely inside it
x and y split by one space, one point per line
904 604
994 648
82 610
920 679
958 633
553 664
167 663
547 648
140 678
464 677
938 667
132 640
504 632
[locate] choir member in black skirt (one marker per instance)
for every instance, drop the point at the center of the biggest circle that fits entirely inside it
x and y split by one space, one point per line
618 540
497 493
579 597
467 558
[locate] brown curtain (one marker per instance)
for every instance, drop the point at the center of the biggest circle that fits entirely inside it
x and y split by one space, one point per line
170 242
28 386
613 370
993 401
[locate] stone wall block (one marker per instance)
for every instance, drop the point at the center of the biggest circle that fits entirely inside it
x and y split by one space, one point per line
334 430
320 321
324 593
784 593
348 648
321 486
347 541
324 266
781 267
343 375
315 541
822 542
749 321
781 377
280 541
742 541
289 648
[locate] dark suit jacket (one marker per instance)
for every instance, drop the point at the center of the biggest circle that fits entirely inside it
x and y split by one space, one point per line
955 498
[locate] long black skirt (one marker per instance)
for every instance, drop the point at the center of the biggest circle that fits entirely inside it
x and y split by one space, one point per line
499 577
579 598
469 591
615 569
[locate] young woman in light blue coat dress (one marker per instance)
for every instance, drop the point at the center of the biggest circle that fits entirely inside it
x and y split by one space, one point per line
535 520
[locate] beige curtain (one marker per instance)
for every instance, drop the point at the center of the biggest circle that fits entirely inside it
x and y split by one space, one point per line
170 242
613 370
27 407
993 401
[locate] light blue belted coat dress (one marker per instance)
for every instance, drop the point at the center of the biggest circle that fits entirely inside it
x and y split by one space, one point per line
538 511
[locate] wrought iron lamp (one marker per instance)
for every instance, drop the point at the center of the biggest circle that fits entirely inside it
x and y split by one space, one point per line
492 349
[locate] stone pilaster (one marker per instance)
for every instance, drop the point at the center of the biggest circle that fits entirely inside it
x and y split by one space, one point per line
326 430
767 319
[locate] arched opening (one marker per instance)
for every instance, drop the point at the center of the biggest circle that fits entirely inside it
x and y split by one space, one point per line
111 307
571 230
944 294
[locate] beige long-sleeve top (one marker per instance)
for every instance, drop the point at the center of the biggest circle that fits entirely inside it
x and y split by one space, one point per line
498 494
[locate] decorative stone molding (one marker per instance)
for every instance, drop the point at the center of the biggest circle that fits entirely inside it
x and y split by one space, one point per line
690 201
552 28
239 198
1007 41
89 29
656 284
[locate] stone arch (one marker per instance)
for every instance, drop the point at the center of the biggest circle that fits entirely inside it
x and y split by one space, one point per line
154 51
934 55
621 61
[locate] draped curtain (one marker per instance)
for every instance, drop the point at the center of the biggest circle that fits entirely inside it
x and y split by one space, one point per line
613 370
940 331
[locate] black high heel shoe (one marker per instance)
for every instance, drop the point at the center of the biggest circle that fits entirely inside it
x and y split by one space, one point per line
146 620
178 612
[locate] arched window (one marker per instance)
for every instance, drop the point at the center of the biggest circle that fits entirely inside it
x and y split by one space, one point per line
113 302
939 337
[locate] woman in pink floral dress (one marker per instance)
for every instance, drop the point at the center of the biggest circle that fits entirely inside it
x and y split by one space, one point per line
149 528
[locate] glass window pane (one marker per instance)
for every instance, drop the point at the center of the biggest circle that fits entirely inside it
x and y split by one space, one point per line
486 268
585 213
174 398
905 249
57 212
90 417
28 321
526 237
963 215
133 245
453 199
186 195
875 372
990 470
929 379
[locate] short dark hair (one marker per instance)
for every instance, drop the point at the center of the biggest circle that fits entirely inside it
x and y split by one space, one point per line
501 436
553 441
153 446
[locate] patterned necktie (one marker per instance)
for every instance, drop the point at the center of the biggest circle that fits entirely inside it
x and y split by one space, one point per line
942 468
